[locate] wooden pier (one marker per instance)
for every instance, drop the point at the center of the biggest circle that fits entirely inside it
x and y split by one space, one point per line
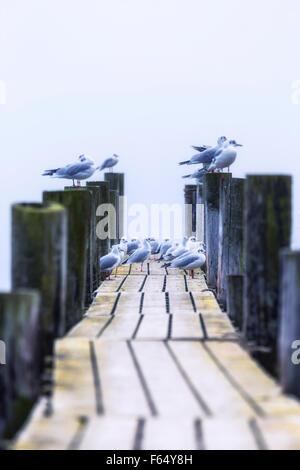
155 364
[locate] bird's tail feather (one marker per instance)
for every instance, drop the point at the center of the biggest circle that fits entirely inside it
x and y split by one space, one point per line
50 172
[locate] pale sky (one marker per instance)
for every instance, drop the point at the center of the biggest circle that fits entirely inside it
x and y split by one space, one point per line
145 79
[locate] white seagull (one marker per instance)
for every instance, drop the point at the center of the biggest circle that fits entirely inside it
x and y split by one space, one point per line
225 157
111 260
80 170
110 162
206 156
140 255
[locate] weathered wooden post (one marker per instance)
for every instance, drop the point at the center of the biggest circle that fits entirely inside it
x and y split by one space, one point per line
211 185
90 255
39 261
79 208
267 230
289 334
190 202
231 232
199 213
113 216
234 299
116 181
101 243
19 376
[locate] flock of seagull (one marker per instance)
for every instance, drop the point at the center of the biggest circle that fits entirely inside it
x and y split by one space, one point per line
187 254
83 168
214 158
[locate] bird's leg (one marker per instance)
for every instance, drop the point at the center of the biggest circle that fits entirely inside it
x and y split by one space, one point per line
116 271
142 266
73 182
192 273
78 184
228 169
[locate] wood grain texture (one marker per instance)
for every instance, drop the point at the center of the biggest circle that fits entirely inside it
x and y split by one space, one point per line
153 369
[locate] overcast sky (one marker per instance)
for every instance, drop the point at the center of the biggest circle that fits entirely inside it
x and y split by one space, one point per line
144 79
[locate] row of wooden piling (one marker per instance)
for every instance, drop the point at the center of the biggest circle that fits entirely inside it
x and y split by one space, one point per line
55 270
250 265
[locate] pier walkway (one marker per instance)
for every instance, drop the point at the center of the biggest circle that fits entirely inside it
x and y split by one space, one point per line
155 364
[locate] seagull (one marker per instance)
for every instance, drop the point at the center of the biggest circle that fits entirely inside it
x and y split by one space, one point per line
181 249
140 255
191 243
110 162
133 245
225 156
198 175
165 245
193 259
111 260
206 156
81 169
169 253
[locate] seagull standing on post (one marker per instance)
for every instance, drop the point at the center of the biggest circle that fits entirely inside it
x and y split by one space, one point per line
206 156
110 162
225 157
80 170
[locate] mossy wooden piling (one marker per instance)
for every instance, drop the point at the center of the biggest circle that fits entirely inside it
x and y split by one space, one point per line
39 261
267 231
199 213
113 216
289 336
231 232
79 208
117 182
101 244
190 202
19 377
211 196
234 299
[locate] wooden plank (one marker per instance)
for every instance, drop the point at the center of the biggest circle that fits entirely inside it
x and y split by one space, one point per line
121 327
153 327
154 284
281 434
41 432
186 326
180 302
111 285
170 434
109 433
228 435
154 304
73 361
88 328
219 326
251 378
133 283
221 398
171 393
122 390
103 304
